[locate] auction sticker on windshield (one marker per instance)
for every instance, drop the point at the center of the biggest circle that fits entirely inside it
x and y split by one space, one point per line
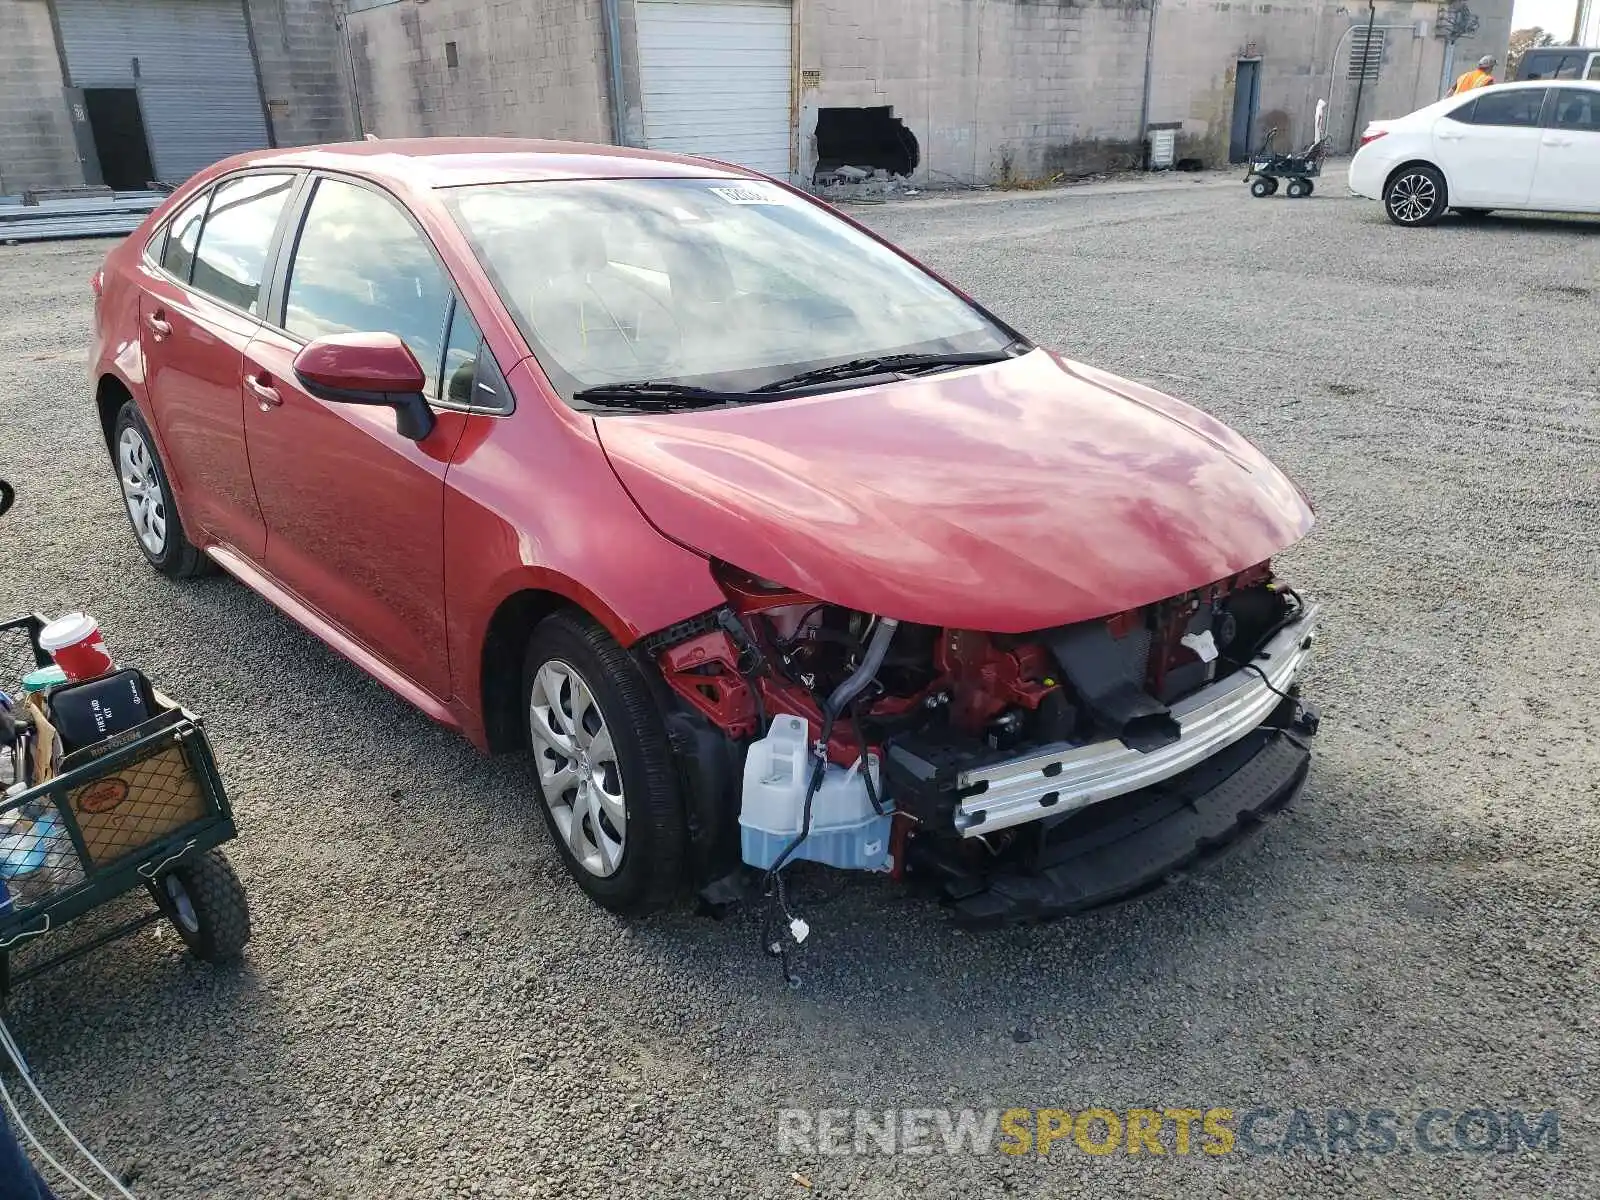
750 194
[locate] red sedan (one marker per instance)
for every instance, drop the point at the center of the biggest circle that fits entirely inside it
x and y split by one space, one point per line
766 541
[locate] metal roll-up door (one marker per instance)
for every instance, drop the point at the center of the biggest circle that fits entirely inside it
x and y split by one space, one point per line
193 67
716 79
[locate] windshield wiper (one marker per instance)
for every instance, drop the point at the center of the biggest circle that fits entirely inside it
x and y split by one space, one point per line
885 364
647 393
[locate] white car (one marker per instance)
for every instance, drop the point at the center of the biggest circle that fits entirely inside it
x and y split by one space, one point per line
1533 146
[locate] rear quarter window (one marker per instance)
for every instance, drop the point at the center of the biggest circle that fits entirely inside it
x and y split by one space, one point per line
183 235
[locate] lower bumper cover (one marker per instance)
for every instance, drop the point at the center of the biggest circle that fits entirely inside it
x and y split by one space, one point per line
1120 849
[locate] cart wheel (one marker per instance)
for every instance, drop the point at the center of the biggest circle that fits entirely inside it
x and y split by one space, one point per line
1263 187
206 904
1296 189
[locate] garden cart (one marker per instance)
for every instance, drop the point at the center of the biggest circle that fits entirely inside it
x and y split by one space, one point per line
141 810
1266 168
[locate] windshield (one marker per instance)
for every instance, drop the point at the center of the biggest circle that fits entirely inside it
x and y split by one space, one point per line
728 284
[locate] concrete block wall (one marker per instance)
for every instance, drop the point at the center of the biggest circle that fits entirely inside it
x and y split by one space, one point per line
1304 53
1025 88
36 145
523 68
304 73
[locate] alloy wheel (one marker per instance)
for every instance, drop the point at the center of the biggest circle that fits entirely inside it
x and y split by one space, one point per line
141 491
578 770
1412 198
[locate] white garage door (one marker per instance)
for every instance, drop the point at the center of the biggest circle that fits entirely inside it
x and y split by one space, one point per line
191 63
715 76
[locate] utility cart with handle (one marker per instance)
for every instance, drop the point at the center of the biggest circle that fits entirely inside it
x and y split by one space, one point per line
141 810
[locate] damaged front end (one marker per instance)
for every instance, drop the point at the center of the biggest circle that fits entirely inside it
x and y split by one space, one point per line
1024 776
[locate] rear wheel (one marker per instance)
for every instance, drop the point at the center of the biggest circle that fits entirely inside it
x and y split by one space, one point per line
1297 188
609 795
1415 196
206 904
147 497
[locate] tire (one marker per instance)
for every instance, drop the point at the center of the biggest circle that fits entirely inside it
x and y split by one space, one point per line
1262 188
1415 196
147 499
603 766
207 906
1296 189
1309 186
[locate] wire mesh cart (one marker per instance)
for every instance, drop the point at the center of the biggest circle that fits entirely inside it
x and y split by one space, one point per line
1267 167
144 810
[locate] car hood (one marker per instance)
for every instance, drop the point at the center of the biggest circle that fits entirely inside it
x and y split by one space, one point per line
1004 498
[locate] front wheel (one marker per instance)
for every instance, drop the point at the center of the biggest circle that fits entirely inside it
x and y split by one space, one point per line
608 791
1415 196
1263 188
206 904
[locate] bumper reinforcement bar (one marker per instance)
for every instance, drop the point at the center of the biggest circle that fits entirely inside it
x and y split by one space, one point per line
1068 777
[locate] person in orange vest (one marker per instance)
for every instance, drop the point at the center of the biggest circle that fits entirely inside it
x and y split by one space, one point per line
1481 75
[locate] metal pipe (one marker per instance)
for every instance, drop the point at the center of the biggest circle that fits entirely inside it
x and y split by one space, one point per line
1149 76
1333 67
341 22
619 119
1447 71
1361 82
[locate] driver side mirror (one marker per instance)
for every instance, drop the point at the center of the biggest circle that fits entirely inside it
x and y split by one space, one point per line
368 368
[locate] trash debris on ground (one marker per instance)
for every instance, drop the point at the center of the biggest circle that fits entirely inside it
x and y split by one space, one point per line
860 185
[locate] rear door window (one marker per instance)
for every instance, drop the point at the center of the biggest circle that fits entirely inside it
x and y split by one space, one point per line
183 234
361 266
1594 67
1577 109
232 258
1515 108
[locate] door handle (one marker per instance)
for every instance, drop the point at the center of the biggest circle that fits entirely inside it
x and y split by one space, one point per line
160 327
266 395
1554 140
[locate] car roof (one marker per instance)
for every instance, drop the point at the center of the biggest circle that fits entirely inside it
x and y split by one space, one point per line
1448 103
1515 84
441 162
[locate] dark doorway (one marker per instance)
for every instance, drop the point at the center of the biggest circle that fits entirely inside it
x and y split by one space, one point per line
870 138
1246 99
119 138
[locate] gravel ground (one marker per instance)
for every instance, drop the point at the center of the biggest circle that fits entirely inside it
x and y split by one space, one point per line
430 1010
